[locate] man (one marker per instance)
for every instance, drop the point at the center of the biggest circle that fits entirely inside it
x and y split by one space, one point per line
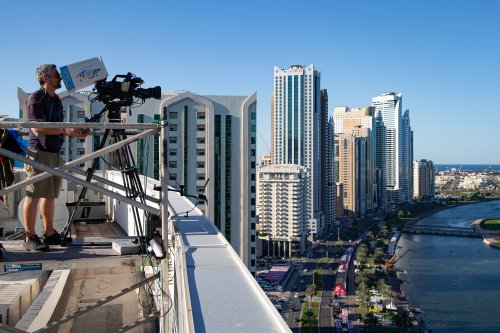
45 144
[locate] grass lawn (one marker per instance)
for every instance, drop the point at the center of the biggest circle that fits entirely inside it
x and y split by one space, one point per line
314 308
491 224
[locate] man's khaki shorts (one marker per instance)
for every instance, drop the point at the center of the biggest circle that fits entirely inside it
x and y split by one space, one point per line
48 187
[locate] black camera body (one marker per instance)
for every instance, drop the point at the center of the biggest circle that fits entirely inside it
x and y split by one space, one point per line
122 93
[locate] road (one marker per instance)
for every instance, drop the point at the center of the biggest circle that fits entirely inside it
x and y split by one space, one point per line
325 313
303 277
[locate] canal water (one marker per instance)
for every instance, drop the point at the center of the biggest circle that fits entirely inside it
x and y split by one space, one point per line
455 281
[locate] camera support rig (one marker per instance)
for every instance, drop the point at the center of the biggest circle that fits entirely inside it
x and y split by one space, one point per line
116 95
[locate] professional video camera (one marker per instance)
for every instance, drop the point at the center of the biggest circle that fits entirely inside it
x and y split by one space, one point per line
122 93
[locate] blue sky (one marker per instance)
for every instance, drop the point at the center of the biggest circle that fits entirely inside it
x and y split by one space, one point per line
443 55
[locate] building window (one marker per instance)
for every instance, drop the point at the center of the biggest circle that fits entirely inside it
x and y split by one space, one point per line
200 164
173 115
227 190
252 226
252 238
156 151
200 152
252 176
252 213
252 189
200 140
172 164
252 165
253 116
218 170
200 128
200 115
253 128
252 262
252 140
252 201
200 177
252 152
172 176
172 128
80 114
252 250
172 152
172 139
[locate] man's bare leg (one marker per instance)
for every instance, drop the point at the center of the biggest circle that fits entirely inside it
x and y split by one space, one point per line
47 210
30 209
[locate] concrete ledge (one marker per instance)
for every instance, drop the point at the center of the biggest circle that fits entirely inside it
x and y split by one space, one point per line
42 309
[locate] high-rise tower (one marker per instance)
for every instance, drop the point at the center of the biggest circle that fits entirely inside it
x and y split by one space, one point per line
399 148
297 131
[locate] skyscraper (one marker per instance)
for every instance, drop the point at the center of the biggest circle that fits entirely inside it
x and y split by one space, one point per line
398 146
423 181
282 208
352 161
297 131
345 119
328 188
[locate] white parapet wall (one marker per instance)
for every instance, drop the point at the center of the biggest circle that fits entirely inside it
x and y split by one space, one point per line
42 309
121 212
17 293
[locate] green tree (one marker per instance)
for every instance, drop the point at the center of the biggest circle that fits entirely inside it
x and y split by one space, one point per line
363 297
384 231
371 320
401 321
311 291
361 254
381 286
361 278
379 256
310 320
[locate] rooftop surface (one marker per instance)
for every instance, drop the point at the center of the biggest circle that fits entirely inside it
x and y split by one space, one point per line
224 295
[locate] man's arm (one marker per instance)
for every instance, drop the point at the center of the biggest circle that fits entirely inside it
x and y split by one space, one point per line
47 131
73 132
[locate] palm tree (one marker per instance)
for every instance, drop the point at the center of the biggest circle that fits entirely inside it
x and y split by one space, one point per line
311 291
361 278
310 320
371 320
401 321
379 256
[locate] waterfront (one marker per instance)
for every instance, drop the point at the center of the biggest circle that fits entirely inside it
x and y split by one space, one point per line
454 280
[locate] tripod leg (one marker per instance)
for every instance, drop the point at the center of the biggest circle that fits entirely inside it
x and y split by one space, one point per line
90 174
131 180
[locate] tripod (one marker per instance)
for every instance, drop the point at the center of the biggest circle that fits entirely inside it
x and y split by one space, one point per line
126 164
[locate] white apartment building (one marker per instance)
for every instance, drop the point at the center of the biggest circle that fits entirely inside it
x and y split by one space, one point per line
423 180
297 130
212 149
282 209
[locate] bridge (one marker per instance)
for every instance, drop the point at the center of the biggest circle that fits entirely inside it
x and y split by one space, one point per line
441 230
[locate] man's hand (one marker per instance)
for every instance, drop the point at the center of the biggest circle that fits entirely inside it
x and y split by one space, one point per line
73 132
83 132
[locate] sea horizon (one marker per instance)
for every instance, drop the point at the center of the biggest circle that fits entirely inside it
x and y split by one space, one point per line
467 166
